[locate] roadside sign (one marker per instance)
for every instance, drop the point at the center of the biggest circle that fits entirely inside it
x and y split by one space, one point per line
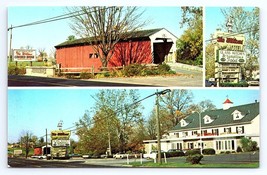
227 56
24 55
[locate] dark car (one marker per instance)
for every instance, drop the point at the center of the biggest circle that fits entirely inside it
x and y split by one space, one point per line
75 155
209 83
175 150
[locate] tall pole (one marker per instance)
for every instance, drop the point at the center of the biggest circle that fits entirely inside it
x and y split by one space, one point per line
200 138
46 143
109 144
158 127
10 44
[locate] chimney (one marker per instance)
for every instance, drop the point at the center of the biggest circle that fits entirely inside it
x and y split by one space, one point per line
227 104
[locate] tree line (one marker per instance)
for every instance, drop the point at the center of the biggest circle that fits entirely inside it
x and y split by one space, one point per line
117 122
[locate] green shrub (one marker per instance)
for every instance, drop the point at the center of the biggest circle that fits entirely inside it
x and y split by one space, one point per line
248 144
86 75
142 70
13 70
242 84
106 74
164 68
192 152
116 73
194 159
99 76
239 149
175 154
133 70
208 151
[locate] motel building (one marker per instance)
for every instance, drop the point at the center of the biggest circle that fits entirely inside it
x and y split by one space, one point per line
221 129
153 46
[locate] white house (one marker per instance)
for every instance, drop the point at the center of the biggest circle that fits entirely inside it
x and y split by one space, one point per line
221 129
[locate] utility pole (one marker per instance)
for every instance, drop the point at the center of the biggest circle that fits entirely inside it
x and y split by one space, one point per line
158 127
158 121
46 142
10 44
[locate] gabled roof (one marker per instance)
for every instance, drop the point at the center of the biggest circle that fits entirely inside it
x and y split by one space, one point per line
141 34
227 101
222 117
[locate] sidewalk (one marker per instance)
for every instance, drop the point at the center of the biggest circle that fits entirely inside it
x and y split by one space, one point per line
183 80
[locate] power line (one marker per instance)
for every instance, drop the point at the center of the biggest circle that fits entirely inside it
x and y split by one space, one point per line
116 111
56 18
235 34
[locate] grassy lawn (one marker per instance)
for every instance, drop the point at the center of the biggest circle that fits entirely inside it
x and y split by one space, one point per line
188 165
26 63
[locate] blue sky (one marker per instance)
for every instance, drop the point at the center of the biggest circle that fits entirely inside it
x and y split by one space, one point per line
48 35
214 19
37 109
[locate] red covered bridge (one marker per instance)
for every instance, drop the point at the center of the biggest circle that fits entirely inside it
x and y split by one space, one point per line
144 47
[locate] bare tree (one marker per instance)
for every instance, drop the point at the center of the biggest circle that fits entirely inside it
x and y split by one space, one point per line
42 53
103 27
177 102
26 140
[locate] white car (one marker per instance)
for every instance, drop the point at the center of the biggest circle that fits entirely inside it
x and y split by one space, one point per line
86 156
119 156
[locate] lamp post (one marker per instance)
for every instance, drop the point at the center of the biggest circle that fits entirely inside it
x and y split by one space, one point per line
200 128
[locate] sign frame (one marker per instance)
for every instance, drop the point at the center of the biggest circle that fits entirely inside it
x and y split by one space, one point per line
229 56
24 54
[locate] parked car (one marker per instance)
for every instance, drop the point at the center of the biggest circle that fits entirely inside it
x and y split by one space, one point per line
86 156
209 83
175 150
119 156
254 83
75 155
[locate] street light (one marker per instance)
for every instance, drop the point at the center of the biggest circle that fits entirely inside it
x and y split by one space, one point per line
200 136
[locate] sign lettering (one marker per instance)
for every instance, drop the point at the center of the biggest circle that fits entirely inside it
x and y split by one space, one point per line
24 55
226 56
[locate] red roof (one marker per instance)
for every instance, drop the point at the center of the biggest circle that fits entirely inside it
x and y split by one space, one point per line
227 101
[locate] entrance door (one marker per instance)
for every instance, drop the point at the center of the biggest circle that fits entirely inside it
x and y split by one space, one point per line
161 50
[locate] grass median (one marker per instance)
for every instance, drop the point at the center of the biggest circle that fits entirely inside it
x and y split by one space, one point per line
188 165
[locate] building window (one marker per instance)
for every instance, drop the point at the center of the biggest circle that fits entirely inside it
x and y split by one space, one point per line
233 145
194 133
240 130
207 119
183 123
190 145
205 132
93 55
185 134
179 146
227 130
215 132
237 115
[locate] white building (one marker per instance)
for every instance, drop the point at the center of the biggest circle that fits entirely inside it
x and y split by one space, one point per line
221 129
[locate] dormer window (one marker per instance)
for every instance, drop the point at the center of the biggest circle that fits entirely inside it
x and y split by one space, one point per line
237 115
207 119
183 123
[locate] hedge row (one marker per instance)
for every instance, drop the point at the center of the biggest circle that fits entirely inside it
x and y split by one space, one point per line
242 84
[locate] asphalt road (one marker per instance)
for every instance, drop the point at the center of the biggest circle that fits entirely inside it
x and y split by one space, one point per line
241 158
188 80
34 163
19 80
